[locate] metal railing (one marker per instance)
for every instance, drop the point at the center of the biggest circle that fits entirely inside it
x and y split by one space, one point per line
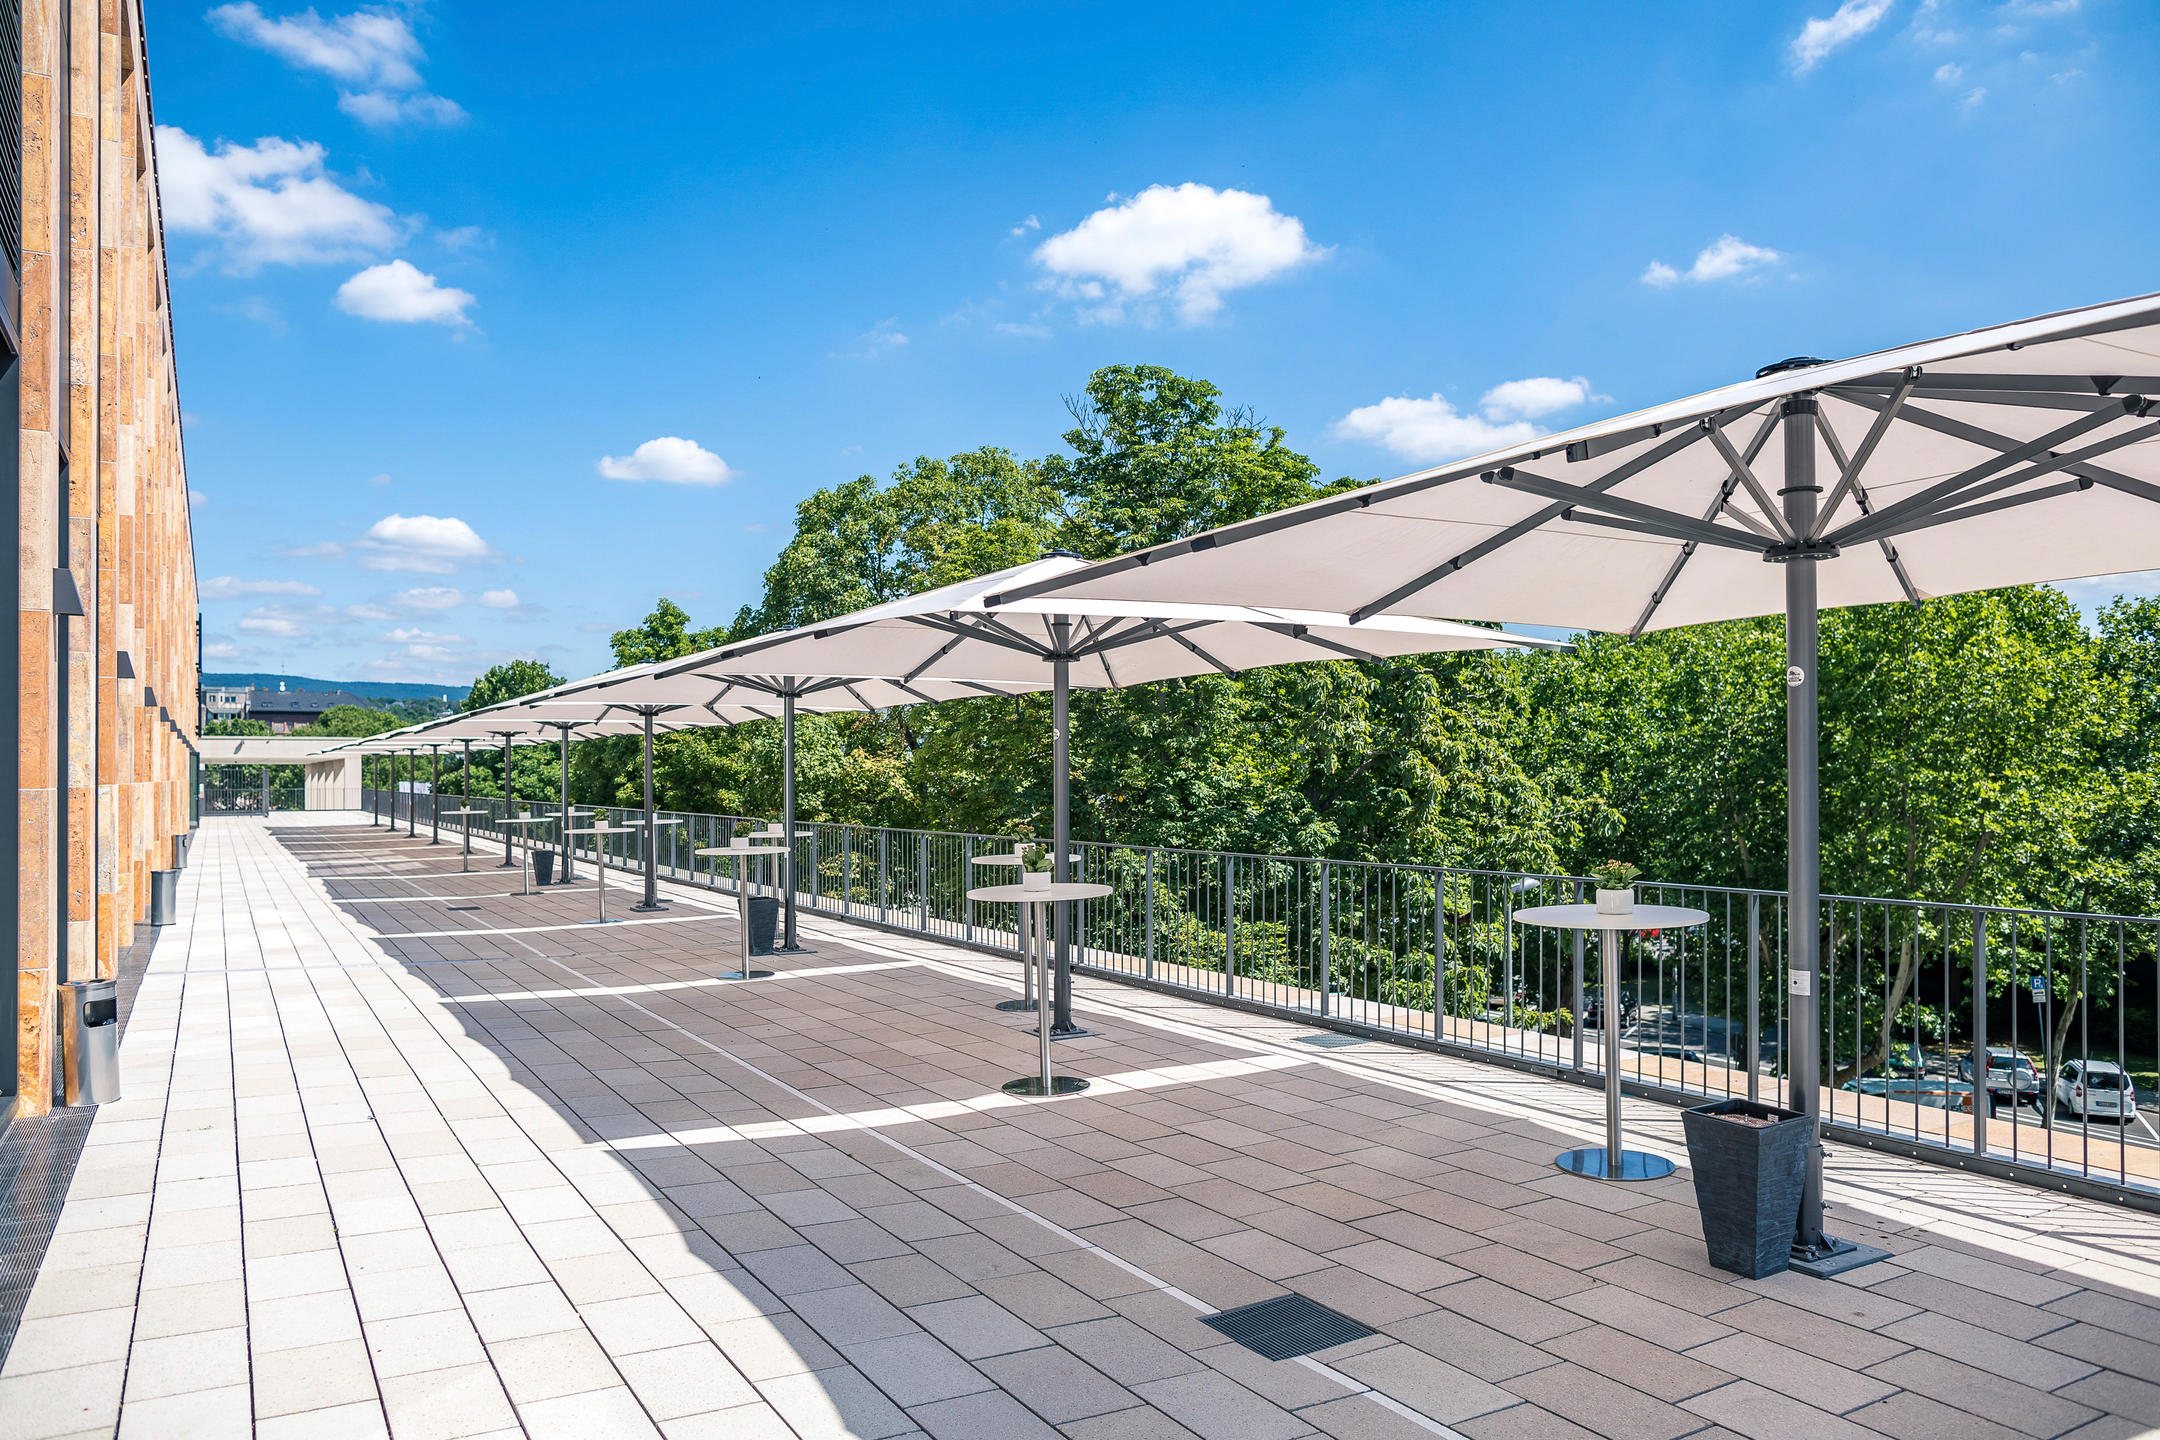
251 799
1432 955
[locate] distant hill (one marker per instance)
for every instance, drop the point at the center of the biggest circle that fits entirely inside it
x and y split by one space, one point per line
369 689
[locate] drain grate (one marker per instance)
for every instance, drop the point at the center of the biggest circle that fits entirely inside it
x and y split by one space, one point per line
1331 1041
1286 1327
464 907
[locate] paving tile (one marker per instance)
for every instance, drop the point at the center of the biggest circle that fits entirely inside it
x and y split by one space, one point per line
1984 1349
454 1404
221 1411
1632 1360
183 1364
613 1412
1057 1385
975 1326
915 1369
1216 1408
835 1402
1761 1414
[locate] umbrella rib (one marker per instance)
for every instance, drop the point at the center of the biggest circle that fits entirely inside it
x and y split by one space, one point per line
1740 467
1968 512
1849 470
1148 630
1885 523
2103 385
1850 479
1651 519
1763 432
856 695
1101 657
969 632
1673 445
1189 645
1300 633
942 651
1885 520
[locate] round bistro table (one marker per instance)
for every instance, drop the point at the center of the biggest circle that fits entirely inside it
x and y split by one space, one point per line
1610 1161
465 858
1029 936
524 861
600 869
744 850
1039 901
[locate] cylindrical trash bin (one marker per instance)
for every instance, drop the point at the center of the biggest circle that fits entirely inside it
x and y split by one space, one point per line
164 896
764 922
543 862
90 1041
179 852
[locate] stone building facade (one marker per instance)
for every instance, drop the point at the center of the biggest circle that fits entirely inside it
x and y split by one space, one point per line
105 699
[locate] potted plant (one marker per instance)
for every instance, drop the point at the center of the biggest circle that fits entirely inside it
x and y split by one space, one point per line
1035 867
1749 1163
1615 887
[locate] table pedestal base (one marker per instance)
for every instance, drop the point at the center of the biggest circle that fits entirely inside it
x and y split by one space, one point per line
651 909
1033 1085
1078 1032
1634 1165
744 975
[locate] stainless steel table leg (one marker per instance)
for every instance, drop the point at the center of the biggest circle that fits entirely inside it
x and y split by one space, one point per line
1042 987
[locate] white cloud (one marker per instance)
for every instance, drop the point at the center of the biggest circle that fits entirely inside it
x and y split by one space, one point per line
1538 395
323 550
222 650
268 203
1726 258
1949 74
882 338
197 499
372 54
429 597
1430 430
276 626
670 460
401 292
499 599
369 612
1032 223
406 635
1185 246
378 479
1973 98
1826 33
228 587
423 544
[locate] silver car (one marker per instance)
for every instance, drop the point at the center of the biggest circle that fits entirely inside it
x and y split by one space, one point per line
2095 1090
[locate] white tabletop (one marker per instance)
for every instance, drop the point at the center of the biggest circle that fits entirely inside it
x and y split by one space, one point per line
1013 859
1587 917
607 830
464 812
531 819
1070 890
739 848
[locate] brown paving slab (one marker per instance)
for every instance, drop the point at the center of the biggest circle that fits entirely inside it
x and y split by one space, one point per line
1603 1405
1984 1393
1761 1414
1822 1384
1647 1366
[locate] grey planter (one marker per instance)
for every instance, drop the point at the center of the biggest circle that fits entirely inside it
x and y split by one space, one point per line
543 863
1747 1183
764 923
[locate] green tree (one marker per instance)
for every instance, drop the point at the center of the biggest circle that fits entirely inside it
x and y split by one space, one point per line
665 634
351 720
508 681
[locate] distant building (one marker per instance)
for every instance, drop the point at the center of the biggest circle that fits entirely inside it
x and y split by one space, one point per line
226 702
285 710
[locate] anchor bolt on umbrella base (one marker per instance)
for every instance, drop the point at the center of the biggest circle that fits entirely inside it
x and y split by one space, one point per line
1033 1085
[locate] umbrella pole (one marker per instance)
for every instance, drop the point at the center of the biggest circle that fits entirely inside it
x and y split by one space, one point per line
562 746
788 942
1061 818
412 795
434 799
1813 1252
652 859
507 860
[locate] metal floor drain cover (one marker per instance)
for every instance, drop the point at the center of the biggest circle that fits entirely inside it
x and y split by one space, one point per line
1331 1042
1286 1327
464 907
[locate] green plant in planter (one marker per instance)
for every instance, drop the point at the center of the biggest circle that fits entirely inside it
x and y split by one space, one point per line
1614 874
1035 859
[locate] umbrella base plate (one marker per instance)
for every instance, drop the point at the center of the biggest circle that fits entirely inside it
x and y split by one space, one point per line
1076 1033
1634 1165
1033 1085
649 909
1835 1258
744 975
1027 1005
611 920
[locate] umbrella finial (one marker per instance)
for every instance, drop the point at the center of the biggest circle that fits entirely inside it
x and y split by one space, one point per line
1793 362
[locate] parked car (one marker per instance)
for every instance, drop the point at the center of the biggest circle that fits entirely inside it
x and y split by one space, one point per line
1933 1092
1907 1059
1593 1000
2010 1076
2095 1090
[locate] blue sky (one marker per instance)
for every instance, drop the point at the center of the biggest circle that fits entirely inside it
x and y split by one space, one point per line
495 322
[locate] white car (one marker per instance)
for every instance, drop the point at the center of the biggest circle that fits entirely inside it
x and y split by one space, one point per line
2095 1090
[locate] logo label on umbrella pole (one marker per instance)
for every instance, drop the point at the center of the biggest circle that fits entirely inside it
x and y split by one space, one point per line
1795 677
1799 982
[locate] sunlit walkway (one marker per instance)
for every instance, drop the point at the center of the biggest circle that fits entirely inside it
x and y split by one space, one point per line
402 1152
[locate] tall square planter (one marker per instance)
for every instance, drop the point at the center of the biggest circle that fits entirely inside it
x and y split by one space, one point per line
1748 1179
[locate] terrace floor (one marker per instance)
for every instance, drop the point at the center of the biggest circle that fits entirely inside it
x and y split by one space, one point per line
388 1165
